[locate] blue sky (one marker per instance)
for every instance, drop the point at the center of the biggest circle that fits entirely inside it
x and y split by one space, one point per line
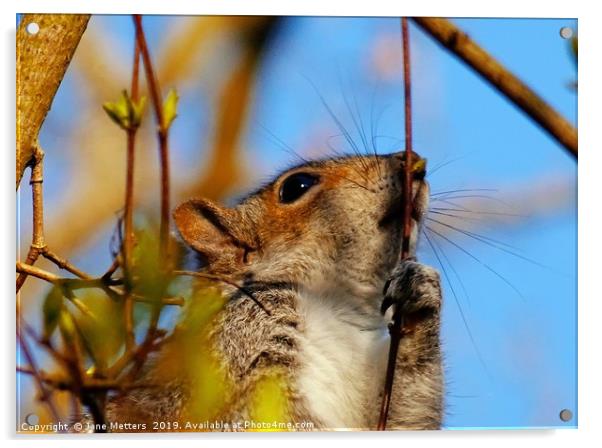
528 345
521 369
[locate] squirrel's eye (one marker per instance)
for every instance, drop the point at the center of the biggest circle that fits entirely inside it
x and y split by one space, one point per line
295 186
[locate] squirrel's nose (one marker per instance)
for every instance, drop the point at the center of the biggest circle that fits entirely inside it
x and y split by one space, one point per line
418 164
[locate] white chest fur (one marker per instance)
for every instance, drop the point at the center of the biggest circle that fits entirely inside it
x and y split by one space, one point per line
343 357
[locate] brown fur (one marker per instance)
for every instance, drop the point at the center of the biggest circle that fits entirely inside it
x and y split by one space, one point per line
339 242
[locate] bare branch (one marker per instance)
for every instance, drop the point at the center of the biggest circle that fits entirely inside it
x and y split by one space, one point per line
45 396
128 219
162 133
90 385
64 264
456 41
23 268
91 389
69 283
395 330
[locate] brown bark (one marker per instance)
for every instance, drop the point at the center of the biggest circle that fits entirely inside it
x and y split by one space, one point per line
42 60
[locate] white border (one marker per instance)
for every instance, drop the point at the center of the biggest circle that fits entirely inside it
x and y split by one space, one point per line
442 8
590 310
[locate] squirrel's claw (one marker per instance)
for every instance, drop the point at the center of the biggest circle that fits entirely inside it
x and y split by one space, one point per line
387 303
412 286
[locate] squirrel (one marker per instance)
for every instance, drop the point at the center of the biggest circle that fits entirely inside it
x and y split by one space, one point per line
318 248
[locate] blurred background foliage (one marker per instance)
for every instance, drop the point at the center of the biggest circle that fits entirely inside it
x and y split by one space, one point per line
250 103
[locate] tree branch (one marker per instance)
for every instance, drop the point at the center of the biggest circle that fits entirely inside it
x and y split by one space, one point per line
37 239
64 264
395 329
45 396
128 219
91 384
162 132
92 391
456 41
51 49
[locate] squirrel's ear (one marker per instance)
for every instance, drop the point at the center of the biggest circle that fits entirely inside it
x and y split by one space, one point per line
212 231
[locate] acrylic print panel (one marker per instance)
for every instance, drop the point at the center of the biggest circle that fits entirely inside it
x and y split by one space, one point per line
223 217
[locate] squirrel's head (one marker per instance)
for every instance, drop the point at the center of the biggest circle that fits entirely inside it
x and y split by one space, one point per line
333 225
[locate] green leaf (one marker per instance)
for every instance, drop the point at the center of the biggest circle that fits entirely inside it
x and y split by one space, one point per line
102 330
114 114
119 111
190 348
67 327
51 310
170 108
126 112
138 110
147 266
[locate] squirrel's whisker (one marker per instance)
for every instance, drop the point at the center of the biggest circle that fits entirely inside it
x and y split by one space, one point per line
463 190
482 263
459 217
492 242
479 212
437 250
443 164
475 196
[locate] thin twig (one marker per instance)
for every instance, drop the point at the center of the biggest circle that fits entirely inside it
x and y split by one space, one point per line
456 41
64 264
106 284
38 244
173 301
113 268
128 220
94 401
163 132
151 343
70 283
37 239
138 355
45 343
92 392
32 256
26 269
395 329
227 281
37 179
91 384
44 394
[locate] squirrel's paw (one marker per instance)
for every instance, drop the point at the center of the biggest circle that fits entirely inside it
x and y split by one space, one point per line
413 286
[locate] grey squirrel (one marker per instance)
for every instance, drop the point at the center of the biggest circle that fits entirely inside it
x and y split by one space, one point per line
316 247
